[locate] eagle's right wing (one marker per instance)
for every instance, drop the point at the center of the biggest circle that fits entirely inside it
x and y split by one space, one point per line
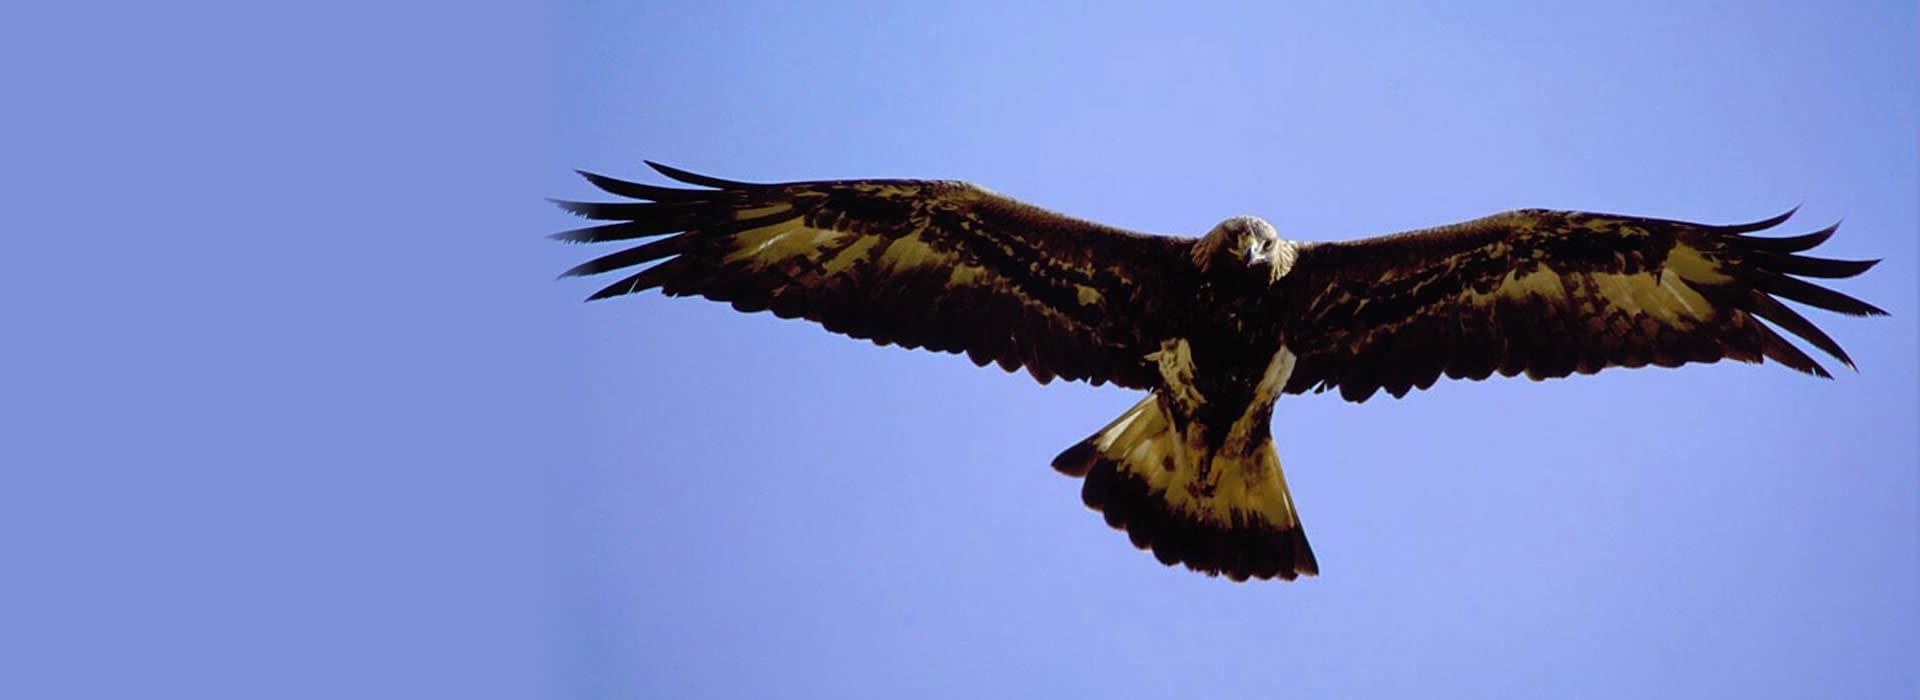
946 266
1550 293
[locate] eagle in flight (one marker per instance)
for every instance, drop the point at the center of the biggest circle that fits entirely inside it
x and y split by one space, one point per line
1216 328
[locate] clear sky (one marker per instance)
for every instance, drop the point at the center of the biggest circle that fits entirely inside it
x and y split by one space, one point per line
296 408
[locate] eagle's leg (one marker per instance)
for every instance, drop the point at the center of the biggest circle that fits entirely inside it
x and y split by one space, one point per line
1211 497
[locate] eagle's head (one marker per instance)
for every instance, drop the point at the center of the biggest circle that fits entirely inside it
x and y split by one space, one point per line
1244 243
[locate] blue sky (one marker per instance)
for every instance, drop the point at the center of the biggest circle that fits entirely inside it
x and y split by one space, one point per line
303 412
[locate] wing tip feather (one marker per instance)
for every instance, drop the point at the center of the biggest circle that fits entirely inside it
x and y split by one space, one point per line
607 184
581 209
1751 226
693 178
1786 244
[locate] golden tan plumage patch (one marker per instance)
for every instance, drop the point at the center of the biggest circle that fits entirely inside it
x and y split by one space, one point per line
1226 512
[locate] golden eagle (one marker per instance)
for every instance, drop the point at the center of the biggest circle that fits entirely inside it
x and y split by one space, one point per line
1215 328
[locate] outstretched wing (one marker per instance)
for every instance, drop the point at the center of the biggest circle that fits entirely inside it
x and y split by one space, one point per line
945 266
1550 293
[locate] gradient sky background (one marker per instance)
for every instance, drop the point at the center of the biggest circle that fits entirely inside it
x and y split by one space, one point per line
313 420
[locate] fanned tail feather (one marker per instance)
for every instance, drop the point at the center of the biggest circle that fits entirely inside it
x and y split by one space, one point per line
1215 513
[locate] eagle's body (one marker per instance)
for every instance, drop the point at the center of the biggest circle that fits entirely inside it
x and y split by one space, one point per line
1217 328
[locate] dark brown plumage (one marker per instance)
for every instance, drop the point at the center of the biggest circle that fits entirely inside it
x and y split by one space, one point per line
1217 327
1550 293
945 266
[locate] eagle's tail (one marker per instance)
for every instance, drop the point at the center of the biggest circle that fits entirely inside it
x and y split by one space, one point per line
1217 511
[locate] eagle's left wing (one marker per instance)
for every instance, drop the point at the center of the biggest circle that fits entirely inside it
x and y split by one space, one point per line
945 266
1550 293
